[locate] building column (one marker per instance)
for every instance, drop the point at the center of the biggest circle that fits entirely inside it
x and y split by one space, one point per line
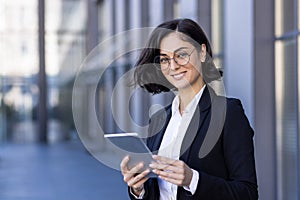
168 9
264 98
42 78
204 15
92 33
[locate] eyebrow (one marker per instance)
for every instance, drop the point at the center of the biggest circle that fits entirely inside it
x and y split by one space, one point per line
163 54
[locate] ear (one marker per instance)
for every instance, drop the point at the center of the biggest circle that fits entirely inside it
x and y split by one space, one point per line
203 53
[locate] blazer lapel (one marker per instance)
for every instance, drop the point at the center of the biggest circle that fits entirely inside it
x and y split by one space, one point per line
196 123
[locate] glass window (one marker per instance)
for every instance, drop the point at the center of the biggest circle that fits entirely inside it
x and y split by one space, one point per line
217 31
65 50
286 118
285 16
287 98
105 21
156 12
18 89
189 10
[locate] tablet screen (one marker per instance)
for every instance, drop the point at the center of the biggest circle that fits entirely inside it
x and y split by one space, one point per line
134 146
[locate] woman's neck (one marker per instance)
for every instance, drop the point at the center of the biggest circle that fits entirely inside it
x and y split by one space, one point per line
186 95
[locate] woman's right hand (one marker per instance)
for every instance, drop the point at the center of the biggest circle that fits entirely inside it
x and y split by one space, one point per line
131 176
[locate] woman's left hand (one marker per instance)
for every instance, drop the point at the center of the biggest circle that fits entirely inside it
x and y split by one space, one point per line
173 171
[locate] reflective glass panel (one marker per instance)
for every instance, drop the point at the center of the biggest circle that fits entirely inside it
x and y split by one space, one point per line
65 50
284 16
18 71
287 119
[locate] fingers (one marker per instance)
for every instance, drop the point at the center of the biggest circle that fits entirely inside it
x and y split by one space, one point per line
164 159
124 164
129 174
138 180
132 176
169 173
179 182
173 171
167 164
164 167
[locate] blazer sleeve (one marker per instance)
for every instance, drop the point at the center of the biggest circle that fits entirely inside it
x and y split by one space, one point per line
238 152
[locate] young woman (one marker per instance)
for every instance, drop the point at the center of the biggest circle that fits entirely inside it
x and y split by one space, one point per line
203 143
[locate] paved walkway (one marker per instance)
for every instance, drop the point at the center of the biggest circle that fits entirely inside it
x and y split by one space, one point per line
63 171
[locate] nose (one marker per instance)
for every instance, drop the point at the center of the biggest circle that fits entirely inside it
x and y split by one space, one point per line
173 64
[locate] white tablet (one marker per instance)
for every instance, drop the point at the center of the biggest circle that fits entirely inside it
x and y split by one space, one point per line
134 146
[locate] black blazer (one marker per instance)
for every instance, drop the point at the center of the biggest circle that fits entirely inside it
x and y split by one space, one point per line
225 161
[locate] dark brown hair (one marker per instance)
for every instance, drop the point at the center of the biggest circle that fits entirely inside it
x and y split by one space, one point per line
148 76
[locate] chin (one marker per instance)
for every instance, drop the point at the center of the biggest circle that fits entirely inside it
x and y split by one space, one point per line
181 86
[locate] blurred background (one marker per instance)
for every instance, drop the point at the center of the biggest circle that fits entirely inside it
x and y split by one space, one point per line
43 43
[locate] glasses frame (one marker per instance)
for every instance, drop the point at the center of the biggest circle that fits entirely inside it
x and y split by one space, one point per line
173 58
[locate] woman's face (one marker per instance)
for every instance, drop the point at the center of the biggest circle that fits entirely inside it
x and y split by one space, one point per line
182 76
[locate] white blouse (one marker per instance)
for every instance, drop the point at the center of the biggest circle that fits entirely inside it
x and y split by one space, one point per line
171 143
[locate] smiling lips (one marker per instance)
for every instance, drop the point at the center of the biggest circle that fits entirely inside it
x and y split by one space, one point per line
178 76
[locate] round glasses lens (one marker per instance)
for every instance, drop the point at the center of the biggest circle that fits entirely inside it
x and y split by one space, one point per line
182 61
182 58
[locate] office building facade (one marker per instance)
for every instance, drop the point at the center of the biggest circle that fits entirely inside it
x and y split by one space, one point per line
256 43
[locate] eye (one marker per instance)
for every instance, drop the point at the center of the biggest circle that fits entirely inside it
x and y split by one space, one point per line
181 55
163 60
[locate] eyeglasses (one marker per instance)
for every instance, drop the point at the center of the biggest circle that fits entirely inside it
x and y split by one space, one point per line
181 57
